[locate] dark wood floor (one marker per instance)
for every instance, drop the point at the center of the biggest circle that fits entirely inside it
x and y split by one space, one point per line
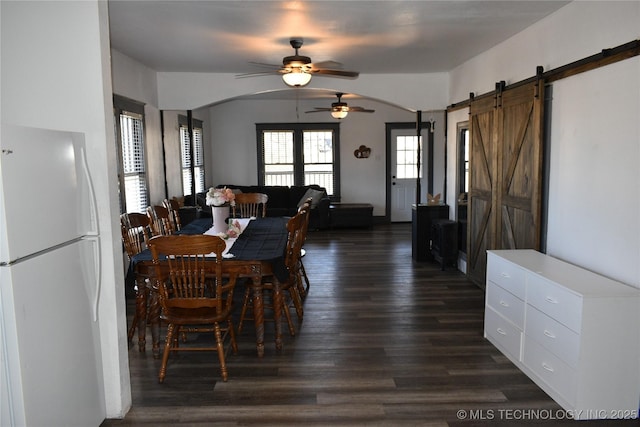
385 342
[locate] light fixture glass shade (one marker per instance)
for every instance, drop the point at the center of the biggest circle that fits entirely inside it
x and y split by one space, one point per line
296 78
339 110
339 114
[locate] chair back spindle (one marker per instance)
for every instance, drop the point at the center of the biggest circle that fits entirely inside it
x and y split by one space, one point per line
173 207
136 232
249 205
161 224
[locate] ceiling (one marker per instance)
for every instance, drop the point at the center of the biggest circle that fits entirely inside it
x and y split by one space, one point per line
371 37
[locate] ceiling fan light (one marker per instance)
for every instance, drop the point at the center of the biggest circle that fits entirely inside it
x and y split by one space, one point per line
339 114
296 78
339 110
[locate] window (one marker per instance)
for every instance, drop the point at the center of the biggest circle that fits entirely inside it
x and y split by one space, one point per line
299 154
132 173
407 157
189 174
277 158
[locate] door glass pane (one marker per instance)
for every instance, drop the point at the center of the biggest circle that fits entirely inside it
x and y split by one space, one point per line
407 157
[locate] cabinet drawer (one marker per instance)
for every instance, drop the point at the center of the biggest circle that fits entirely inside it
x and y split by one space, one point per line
554 336
555 301
550 369
505 303
506 274
501 331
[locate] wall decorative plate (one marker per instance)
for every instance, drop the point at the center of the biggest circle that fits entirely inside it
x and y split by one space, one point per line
362 152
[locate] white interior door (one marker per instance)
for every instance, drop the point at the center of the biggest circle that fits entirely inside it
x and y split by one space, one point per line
404 158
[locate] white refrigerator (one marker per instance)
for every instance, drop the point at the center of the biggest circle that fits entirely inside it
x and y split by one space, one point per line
51 367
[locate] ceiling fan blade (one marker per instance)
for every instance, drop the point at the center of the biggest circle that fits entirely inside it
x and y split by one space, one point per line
319 110
361 110
336 73
302 64
262 64
327 65
257 74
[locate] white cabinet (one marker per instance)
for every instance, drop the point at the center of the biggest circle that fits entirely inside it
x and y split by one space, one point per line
575 333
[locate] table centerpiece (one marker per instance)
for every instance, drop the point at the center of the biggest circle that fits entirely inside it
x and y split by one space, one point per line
220 199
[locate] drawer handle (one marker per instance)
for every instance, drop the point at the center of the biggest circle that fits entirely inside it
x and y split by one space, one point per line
505 275
549 334
504 303
547 367
501 331
551 300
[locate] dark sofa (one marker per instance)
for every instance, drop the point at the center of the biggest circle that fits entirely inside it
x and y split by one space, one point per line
283 201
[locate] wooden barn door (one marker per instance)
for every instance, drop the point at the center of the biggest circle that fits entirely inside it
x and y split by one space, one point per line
506 174
520 163
482 178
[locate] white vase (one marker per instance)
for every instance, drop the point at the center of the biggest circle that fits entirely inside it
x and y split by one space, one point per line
220 215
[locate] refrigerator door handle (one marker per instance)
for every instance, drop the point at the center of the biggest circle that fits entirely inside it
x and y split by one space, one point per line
97 260
94 233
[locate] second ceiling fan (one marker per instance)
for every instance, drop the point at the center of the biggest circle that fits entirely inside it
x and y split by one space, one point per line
339 110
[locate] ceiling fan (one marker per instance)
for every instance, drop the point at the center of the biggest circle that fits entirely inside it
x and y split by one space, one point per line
339 110
296 70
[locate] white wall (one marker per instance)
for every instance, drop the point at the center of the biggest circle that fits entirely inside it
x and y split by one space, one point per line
172 154
438 120
233 139
182 91
229 127
453 118
135 81
593 213
594 194
578 30
140 84
56 75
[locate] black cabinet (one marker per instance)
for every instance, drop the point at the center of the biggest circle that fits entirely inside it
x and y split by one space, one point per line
462 227
422 217
444 242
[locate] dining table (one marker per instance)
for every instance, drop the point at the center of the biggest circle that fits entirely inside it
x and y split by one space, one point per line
260 240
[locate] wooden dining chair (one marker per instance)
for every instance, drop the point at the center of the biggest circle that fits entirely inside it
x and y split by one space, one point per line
302 279
196 292
250 205
173 207
287 288
161 224
297 231
136 232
